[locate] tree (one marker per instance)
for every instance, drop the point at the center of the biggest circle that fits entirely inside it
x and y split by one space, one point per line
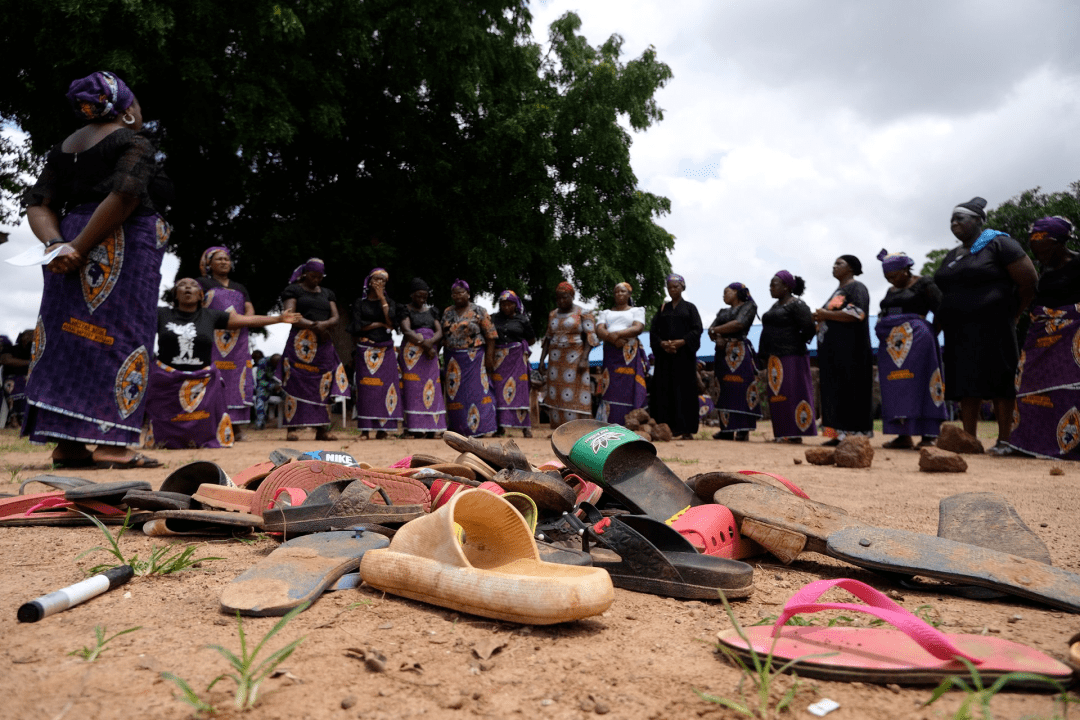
430 138
17 163
1016 215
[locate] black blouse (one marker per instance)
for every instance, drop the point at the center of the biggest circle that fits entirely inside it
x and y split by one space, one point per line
743 314
978 287
921 298
186 339
513 329
676 322
425 318
1059 287
123 162
786 329
314 306
365 312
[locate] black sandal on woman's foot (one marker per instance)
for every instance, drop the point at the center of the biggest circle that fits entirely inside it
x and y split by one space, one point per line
899 443
1001 449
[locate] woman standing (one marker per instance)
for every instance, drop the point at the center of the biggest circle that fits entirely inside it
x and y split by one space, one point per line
735 365
422 392
98 201
986 285
186 403
470 353
1048 377
675 336
232 354
571 333
311 373
909 359
510 371
844 354
786 328
378 396
622 384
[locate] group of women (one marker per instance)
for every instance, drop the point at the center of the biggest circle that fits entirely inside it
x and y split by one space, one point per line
98 204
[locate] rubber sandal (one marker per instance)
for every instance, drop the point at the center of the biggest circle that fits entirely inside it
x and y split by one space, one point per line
334 456
310 474
481 469
338 505
914 653
550 493
187 479
136 461
154 500
219 497
56 482
654 558
706 484
505 454
785 525
53 509
169 523
989 520
895 444
625 465
442 490
112 493
251 477
496 572
584 491
712 530
284 455
1074 652
297 571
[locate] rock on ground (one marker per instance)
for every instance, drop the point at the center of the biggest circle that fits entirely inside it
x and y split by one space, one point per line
854 451
954 439
821 455
932 459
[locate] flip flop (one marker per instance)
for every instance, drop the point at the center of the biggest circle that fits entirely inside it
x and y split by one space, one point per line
548 492
307 475
251 477
297 571
138 461
652 557
336 505
187 479
154 500
706 484
504 454
334 456
625 465
914 653
220 497
169 523
496 572
112 492
786 525
989 520
480 468
56 481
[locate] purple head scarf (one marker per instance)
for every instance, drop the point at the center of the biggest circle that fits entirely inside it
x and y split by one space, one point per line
1055 227
99 96
891 262
511 295
741 291
377 272
677 278
787 278
312 264
459 283
208 256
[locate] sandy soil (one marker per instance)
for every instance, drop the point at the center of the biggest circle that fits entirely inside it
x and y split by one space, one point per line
644 658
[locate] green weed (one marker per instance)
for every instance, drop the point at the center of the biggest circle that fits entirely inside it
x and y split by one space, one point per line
762 676
90 654
246 672
978 695
163 560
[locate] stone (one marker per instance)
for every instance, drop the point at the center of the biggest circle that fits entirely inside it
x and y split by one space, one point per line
932 459
639 416
821 455
1057 470
661 433
854 451
644 435
954 439
631 424
348 702
797 461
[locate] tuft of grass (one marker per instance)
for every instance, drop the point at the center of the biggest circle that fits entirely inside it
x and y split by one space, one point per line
14 470
248 672
163 560
761 674
90 654
978 695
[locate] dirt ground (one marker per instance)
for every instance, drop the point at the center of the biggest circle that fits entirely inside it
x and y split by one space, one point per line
646 657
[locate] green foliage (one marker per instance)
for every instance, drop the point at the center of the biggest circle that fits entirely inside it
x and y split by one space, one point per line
90 654
247 674
978 695
1015 216
761 674
18 165
163 560
434 139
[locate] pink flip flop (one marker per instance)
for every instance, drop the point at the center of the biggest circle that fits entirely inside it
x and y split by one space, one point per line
913 653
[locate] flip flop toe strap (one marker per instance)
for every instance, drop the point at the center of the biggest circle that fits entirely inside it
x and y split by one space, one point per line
779 478
928 637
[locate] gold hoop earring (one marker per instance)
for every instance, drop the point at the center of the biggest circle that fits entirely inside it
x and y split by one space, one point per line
128 118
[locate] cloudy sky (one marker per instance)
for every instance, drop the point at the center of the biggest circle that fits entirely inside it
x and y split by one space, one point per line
795 132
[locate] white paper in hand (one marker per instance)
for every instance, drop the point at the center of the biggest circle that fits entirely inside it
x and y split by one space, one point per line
37 255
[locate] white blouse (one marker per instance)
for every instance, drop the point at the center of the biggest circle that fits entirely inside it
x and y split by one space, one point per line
616 320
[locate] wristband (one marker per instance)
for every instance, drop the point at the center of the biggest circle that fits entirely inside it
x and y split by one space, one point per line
54 241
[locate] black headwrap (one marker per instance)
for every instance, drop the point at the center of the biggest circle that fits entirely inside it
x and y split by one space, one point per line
418 284
854 263
975 206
